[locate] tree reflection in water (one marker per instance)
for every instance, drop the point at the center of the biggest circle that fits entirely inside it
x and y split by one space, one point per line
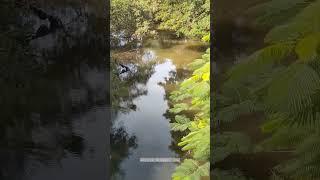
121 143
48 84
125 88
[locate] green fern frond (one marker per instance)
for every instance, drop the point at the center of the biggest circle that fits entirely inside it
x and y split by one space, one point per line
233 93
197 64
233 174
284 138
231 113
228 143
259 84
304 23
307 48
201 90
306 164
182 123
292 92
289 93
276 11
179 107
203 69
259 62
191 170
274 122
199 142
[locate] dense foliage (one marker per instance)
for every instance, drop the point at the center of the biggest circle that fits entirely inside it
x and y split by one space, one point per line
281 81
188 18
133 20
194 95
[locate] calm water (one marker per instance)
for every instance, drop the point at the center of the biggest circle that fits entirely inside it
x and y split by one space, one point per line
53 93
147 123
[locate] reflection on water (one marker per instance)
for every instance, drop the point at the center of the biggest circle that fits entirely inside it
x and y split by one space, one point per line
147 122
149 127
52 91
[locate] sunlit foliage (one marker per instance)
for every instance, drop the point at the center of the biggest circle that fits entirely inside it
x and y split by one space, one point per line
194 95
189 18
141 18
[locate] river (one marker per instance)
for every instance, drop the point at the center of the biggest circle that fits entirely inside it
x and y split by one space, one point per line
147 123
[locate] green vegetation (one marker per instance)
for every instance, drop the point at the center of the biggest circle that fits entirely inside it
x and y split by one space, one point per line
186 17
143 18
136 20
282 83
130 19
196 90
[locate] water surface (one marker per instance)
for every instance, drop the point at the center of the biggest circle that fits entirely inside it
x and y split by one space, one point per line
53 93
147 122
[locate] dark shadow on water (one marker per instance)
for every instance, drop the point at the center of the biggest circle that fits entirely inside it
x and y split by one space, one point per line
53 93
121 143
200 48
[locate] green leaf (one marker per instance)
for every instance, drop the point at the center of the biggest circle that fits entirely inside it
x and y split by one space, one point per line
182 123
199 142
293 91
307 47
179 107
228 143
191 170
304 23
